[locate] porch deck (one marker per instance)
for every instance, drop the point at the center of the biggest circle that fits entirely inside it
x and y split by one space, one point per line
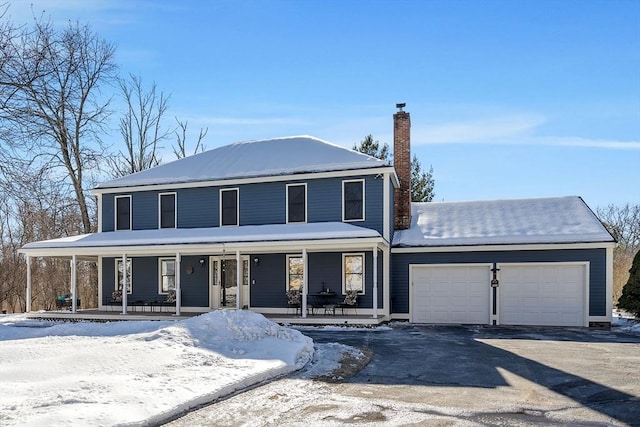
95 315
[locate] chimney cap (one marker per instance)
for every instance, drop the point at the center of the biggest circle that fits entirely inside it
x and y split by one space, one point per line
400 106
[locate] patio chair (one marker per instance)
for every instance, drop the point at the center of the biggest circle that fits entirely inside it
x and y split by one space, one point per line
116 299
294 299
350 301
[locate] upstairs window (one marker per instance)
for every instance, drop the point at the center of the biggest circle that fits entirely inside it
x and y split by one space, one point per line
123 212
295 272
167 210
296 202
229 206
353 200
167 275
353 272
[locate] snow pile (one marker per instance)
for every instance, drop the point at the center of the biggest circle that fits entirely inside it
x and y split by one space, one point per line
136 372
625 321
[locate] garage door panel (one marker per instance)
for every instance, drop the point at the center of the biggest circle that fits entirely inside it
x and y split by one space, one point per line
450 294
542 294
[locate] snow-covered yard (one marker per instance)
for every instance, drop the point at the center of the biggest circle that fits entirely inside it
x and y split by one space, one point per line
137 372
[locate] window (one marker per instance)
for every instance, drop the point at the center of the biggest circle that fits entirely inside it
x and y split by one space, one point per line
296 202
167 275
167 207
120 277
353 200
123 212
295 272
229 207
353 272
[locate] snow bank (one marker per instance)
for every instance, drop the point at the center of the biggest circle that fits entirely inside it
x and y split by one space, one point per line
136 372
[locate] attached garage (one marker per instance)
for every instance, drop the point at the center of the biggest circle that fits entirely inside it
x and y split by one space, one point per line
543 294
450 294
554 261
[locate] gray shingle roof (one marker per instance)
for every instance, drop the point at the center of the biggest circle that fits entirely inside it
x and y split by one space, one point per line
269 157
496 222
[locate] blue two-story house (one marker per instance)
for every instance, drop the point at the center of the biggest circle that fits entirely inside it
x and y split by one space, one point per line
241 225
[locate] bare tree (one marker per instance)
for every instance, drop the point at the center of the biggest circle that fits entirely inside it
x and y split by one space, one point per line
623 222
140 126
180 149
53 111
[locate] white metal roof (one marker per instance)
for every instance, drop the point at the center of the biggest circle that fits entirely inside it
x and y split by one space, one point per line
269 157
496 222
123 241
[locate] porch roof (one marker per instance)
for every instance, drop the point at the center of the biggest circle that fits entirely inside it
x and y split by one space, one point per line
196 239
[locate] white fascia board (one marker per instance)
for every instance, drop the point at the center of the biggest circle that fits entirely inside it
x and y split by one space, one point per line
337 245
489 248
253 180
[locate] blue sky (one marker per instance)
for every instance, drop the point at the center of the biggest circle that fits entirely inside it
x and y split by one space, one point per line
508 99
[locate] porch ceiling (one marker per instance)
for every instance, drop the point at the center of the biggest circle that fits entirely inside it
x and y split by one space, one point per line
256 238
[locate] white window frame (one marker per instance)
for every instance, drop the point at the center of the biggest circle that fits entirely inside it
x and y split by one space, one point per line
130 281
288 271
302 184
344 272
363 200
237 190
115 212
175 274
175 209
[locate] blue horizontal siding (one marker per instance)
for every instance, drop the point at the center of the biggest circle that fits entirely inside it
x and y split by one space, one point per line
260 204
596 257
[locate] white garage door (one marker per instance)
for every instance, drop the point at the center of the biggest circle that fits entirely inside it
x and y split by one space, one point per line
546 294
450 294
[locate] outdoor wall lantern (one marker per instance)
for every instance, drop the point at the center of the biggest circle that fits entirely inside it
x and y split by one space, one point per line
256 260
202 261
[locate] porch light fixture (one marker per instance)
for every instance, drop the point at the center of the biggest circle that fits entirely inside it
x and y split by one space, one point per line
202 261
256 260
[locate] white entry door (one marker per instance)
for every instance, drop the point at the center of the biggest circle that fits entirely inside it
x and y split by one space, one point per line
223 282
450 293
543 294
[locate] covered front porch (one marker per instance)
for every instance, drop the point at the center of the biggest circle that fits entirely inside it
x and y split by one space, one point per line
246 267
95 315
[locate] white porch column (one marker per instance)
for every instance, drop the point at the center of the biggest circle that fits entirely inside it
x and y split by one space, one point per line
125 285
74 284
238 281
375 282
178 289
28 301
305 283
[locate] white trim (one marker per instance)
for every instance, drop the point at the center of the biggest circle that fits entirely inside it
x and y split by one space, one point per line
222 190
345 181
239 281
400 316
374 254
74 284
116 284
175 273
450 265
100 286
386 280
585 264
175 209
28 296
386 207
364 272
178 288
305 281
115 212
253 180
302 184
609 285
505 247
99 207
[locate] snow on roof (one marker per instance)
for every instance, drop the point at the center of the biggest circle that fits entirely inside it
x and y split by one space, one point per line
498 222
269 157
186 236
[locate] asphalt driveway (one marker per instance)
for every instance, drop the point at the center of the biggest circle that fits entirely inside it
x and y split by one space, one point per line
457 375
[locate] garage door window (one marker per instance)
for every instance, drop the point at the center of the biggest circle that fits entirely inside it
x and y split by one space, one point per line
353 272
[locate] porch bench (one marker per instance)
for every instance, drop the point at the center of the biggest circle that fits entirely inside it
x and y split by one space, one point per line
65 302
168 300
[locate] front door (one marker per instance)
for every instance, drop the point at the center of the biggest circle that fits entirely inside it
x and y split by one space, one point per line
224 285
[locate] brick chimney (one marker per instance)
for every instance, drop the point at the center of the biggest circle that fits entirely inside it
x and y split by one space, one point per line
402 165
